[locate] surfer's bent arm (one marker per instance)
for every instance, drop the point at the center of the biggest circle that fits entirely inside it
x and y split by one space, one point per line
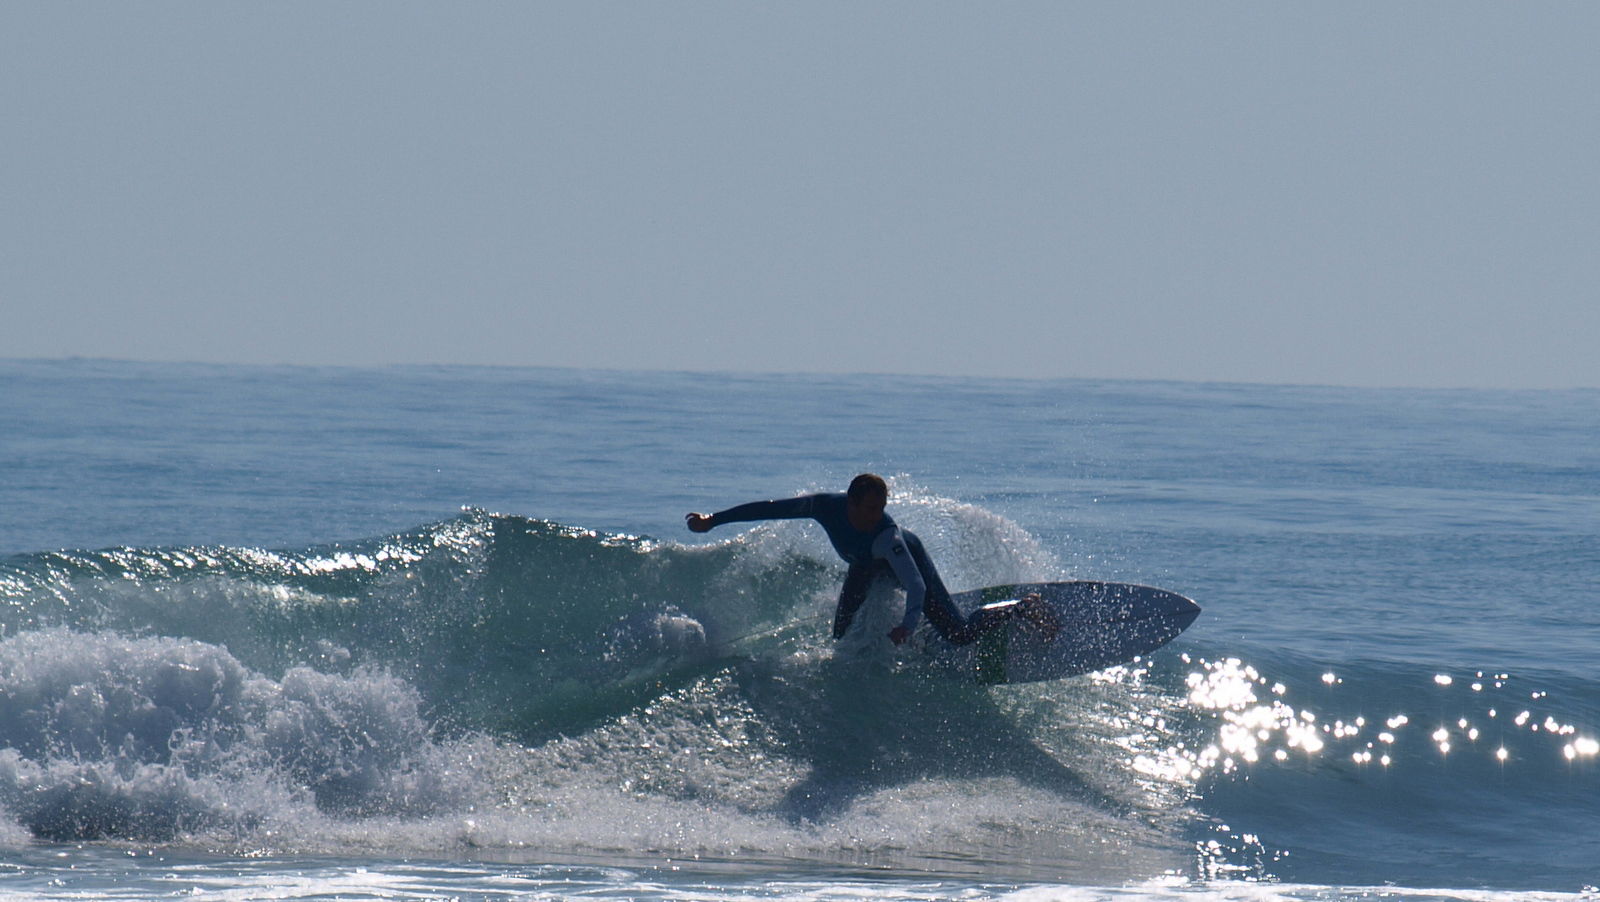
891 546
783 509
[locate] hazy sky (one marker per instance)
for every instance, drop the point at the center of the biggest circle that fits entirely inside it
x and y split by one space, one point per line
1354 193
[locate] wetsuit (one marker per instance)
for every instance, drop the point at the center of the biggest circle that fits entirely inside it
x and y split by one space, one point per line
885 549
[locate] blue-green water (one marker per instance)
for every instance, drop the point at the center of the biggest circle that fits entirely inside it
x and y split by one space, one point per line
402 634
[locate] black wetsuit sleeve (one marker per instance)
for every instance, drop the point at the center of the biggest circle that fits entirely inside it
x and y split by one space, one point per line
784 509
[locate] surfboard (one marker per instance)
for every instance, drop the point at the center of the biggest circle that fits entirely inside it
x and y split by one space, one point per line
1102 625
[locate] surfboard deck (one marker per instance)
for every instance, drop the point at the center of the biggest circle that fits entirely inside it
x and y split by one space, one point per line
1102 625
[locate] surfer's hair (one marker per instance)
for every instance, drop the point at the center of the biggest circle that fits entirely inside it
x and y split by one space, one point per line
867 485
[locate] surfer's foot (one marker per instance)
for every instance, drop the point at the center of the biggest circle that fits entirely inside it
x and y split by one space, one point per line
1037 613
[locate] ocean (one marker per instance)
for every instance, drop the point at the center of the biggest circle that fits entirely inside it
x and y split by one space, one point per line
432 633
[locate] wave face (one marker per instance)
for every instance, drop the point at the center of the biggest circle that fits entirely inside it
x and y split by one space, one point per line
521 627
503 683
503 687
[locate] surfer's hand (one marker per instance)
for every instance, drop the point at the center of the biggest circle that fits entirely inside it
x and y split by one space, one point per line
698 522
899 635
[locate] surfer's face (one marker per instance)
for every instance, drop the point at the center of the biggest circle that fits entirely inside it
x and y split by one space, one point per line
865 512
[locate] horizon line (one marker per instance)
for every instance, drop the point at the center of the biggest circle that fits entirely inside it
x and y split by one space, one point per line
820 373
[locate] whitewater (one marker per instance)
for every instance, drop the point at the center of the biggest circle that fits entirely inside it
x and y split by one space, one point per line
439 632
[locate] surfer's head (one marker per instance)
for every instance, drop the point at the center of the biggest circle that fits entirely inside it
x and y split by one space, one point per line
865 500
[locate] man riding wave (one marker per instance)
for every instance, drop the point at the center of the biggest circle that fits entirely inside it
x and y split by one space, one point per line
875 547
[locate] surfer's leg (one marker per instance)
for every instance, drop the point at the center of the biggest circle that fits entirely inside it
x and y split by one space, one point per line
852 594
939 609
946 618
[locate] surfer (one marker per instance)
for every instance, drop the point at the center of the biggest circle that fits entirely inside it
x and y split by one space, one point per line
872 544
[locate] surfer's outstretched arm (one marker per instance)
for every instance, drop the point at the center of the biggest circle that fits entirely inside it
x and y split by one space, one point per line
784 509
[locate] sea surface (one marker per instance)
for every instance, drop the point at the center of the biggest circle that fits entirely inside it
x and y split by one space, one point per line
433 633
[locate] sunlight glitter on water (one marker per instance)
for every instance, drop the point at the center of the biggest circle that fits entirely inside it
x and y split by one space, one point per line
1256 721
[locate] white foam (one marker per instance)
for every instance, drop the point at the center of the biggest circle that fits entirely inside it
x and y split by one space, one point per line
106 735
